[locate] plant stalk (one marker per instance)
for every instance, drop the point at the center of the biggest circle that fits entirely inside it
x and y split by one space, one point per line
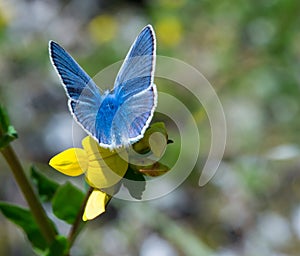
78 221
34 204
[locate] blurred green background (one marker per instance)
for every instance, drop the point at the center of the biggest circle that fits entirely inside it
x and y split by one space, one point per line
250 53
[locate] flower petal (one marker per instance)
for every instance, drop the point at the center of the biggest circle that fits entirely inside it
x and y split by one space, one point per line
95 205
106 167
72 162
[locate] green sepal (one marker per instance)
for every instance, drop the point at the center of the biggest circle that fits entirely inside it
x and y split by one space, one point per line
66 202
23 218
7 131
46 188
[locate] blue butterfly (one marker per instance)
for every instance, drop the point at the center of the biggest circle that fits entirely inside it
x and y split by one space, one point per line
121 116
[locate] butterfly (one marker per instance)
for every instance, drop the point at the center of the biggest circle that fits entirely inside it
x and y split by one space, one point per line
118 117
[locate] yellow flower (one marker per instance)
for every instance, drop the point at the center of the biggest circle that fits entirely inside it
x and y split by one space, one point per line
103 28
95 204
71 162
169 31
102 167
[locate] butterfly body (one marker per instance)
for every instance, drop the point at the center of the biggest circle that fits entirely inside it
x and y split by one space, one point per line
119 117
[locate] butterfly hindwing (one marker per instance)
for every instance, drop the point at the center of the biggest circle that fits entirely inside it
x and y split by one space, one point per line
135 116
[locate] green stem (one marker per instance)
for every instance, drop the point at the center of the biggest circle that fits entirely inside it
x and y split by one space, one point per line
35 206
78 221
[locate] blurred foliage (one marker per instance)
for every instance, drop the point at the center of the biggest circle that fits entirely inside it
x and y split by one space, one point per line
46 188
24 219
250 53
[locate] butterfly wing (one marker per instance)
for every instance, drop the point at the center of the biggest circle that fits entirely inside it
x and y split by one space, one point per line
135 115
84 96
136 73
135 90
121 117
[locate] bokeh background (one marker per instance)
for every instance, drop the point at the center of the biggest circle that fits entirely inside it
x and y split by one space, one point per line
250 53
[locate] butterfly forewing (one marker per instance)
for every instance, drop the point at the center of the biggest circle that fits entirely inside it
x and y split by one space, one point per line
72 75
84 95
136 73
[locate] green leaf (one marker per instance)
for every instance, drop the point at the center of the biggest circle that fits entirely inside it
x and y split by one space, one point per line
23 218
7 131
135 183
46 187
59 247
67 202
